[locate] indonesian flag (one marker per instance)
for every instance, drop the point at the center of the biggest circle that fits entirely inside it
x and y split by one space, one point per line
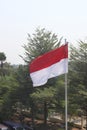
49 65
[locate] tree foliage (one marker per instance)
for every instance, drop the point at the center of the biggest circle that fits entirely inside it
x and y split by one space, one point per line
2 58
40 42
78 77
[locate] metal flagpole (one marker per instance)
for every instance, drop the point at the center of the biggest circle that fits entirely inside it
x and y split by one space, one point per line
66 117
66 102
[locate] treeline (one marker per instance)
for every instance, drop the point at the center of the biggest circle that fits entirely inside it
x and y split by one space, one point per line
17 95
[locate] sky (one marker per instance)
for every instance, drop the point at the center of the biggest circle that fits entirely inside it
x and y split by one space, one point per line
67 18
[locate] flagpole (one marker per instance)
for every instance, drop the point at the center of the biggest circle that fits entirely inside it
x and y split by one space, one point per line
66 113
66 102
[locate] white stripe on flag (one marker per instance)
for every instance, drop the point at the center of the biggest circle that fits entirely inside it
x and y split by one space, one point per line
41 77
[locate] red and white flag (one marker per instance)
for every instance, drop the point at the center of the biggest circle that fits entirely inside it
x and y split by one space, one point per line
49 65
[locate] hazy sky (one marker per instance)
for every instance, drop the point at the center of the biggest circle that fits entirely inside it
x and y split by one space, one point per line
67 18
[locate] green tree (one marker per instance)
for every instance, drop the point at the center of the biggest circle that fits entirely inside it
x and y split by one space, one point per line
39 43
8 85
20 89
78 77
2 58
44 99
25 84
60 97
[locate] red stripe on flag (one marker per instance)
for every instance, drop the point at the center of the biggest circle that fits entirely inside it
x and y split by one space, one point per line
49 58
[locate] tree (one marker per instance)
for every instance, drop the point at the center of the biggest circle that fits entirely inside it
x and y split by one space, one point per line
22 77
15 89
39 43
2 58
20 96
8 86
43 98
60 97
78 82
